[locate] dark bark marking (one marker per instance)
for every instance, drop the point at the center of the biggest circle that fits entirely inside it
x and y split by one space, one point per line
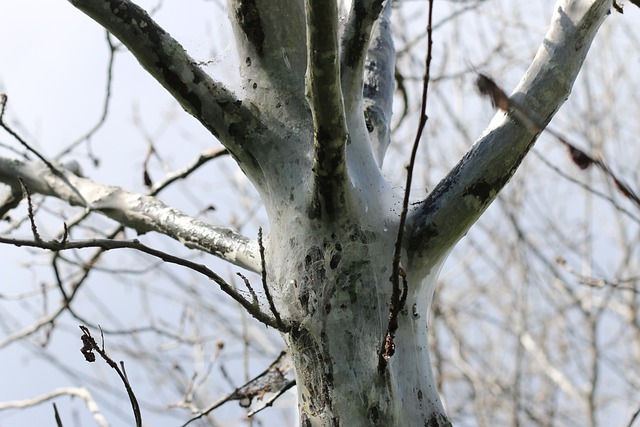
374 414
248 17
481 190
353 55
438 420
368 119
361 16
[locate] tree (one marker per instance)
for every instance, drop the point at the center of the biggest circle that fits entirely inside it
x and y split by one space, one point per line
310 130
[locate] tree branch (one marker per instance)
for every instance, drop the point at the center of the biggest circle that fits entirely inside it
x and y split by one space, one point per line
81 393
463 195
141 213
230 120
271 54
325 98
107 244
379 85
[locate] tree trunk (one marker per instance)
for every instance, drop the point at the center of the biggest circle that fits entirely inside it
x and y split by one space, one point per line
333 290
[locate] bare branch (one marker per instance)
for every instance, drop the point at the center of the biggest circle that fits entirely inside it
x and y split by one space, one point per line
107 244
461 197
141 213
81 393
325 98
265 286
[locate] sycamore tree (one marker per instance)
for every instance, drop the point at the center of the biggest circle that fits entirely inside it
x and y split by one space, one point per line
346 268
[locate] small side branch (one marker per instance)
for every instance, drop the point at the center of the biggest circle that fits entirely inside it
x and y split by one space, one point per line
106 244
271 380
265 286
324 93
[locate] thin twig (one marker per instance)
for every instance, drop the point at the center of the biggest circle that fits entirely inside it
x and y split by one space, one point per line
90 345
107 244
254 296
105 105
265 286
31 215
54 170
398 295
57 415
269 403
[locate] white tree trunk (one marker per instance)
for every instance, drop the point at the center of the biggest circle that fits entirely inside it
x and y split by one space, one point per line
312 147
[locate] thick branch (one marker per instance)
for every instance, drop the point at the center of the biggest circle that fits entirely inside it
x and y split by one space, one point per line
270 37
230 120
461 197
379 85
141 213
325 98
355 43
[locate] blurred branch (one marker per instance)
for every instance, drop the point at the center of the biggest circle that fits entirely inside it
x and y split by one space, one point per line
105 106
599 282
79 392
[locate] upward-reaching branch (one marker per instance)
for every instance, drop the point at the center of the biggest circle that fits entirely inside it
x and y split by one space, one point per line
461 197
325 98
270 38
379 84
355 43
230 120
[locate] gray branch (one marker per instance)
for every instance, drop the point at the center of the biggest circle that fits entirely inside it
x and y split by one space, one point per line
461 197
141 213
379 84
271 41
234 122
324 92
